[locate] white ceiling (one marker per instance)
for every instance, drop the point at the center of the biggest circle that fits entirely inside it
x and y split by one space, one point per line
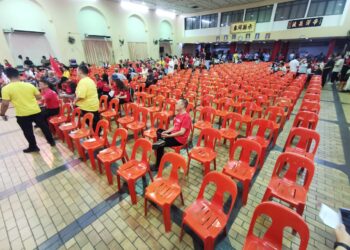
188 6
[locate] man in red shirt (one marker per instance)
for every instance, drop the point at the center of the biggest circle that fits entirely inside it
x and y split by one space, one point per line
50 100
177 135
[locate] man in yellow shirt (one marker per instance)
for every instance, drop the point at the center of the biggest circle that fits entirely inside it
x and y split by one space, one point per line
24 98
86 95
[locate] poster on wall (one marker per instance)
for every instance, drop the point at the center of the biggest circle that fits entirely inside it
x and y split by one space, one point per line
242 27
225 38
247 36
234 37
267 36
305 23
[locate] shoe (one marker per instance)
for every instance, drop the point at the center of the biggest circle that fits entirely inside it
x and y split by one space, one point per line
52 144
31 150
158 144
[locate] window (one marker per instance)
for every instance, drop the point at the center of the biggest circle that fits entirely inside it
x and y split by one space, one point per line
326 7
260 15
192 23
231 17
209 21
291 10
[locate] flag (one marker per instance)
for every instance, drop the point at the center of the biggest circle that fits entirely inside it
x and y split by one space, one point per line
55 66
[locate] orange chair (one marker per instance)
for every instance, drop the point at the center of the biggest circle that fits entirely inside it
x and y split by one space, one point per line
282 218
169 108
139 123
164 191
103 103
161 121
241 169
310 106
312 98
286 104
62 117
207 218
129 115
263 135
284 183
207 153
112 112
113 153
306 119
157 105
307 142
230 124
205 101
66 128
223 106
135 169
276 115
85 131
249 110
141 99
206 119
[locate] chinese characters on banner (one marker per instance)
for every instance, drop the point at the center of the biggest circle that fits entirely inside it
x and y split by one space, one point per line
242 27
304 23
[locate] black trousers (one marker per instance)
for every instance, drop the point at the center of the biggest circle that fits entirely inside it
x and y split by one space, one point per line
47 113
325 74
96 117
169 142
334 77
26 124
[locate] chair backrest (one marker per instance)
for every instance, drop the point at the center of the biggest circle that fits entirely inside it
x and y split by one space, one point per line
231 120
312 98
306 138
104 102
295 162
141 98
275 114
122 135
114 104
75 118
66 110
103 127
131 109
310 106
249 108
224 184
281 217
146 147
177 162
263 126
169 104
306 119
210 136
248 147
160 119
87 121
141 114
158 101
206 100
207 114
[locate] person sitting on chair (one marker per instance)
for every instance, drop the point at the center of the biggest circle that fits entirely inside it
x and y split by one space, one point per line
175 136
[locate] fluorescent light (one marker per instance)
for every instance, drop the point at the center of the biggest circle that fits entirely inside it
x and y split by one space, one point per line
165 13
206 21
133 6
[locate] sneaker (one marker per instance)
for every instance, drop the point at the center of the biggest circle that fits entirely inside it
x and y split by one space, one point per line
31 150
158 144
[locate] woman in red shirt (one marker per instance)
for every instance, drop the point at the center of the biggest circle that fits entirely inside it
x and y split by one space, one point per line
50 100
120 90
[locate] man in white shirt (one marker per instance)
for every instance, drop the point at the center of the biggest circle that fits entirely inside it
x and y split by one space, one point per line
338 65
293 66
171 66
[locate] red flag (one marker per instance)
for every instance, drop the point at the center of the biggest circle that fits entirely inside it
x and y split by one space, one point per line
55 66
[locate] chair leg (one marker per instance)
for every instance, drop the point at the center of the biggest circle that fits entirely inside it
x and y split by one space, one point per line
146 208
80 149
92 159
109 173
166 218
99 164
182 199
69 141
275 136
300 209
132 191
267 195
150 175
118 181
215 164
206 166
182 231
245 191
188 165
209 243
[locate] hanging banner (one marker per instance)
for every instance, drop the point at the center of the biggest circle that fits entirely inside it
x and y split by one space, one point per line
242 27
305 23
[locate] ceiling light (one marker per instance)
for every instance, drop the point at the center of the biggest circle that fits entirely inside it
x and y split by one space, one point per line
165 13
133 6
206 21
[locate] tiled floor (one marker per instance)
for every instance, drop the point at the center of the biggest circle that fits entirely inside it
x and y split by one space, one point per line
52 200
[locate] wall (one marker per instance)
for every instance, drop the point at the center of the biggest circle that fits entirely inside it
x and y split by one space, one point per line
63 18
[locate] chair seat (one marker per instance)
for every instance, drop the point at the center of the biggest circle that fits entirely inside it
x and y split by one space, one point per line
125 119
205 219
153 109
109 114
81 133
247 118
136 125
168 113
254 243
93 143
163 191
229 133
221 113
202 125
150 133
68 126
239 170
203 154
101 110
262 141
300 151
132 170
110 154
58 120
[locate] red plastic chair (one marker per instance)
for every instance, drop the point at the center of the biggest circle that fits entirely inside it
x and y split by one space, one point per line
157 105
85 131
129 115
306 119
134 169
281 217
307 142
312 98
205 101
263 135
164 191
205 154
159 121
230 124
62 117
207 217
103 103
139 123
206 119
113 153
169 108
66 128
276 115
284 184
96 141
241 169
286 104
141 99
310 106
249 110
112 112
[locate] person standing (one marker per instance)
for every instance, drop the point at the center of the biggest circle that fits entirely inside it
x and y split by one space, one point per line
327 69
50 100
293 66
338 65
86 95
24 98
171 65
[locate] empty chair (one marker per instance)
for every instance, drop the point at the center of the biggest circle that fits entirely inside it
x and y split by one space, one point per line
129 115
62 117
249 110
164 191
205 101
276 115
169 108
84 131
230 127
112 111
103 103
139 123
207 218
310 106
205 154
96 141
206 119
306 119
158 121
307 142
113 153
141 99
241 168
312 98
134 169
157 105
281 218
66 128
284 183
